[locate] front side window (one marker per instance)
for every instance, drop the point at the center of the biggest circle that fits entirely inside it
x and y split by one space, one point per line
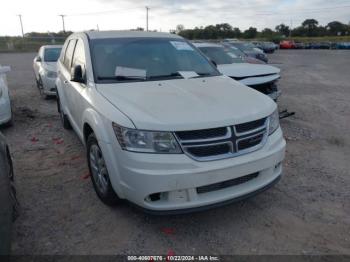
221 55
79 54
52 54
69 53
142 59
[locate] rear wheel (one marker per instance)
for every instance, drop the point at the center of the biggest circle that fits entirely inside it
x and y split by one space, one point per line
40 86
99 173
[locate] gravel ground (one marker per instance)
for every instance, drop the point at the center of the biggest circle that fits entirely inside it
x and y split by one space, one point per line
307 212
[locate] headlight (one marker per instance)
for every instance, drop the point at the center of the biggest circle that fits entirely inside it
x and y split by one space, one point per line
274 121
146 141
51 74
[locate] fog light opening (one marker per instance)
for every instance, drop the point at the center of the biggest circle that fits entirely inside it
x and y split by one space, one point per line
154 197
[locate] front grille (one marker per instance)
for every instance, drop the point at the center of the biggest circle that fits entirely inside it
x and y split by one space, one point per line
245 127
226 184
202 134
266 88
210 150
250 142
223 142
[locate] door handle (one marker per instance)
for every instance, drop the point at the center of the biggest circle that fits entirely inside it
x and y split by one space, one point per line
65 81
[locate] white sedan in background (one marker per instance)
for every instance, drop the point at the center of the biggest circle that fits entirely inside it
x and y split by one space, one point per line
260 77
5 103
45 69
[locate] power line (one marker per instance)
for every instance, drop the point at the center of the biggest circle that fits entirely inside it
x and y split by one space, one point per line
104 12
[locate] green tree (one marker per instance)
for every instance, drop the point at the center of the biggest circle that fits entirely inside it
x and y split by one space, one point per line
283 29
250 33
311 26
337 28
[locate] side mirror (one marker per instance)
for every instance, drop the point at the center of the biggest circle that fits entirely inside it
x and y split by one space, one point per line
37 59
77 74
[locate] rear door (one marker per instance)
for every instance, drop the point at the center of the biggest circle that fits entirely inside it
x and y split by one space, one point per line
65 76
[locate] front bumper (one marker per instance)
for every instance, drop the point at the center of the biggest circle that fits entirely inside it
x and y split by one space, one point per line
136 176
49 85
5 110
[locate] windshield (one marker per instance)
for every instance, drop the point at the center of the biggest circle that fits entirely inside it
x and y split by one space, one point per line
244 46
142 59
221 55
52 54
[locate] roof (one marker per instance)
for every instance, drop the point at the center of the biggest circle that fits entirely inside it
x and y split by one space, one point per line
199 45
121 34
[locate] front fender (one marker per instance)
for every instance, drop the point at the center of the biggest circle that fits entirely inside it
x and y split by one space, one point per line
97 123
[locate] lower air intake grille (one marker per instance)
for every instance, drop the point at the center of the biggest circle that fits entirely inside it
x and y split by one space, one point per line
226 184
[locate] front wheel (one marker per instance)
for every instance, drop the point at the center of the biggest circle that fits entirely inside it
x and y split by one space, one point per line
99 173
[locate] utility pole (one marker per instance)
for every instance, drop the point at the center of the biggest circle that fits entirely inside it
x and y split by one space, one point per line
20 20
64 28
147 8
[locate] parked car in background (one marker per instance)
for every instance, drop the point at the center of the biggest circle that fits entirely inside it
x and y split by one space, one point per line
5 102
163 128
8 200
262 78
250 50
287 44
45 69
325 45
241 55
343 45
267 47
299 45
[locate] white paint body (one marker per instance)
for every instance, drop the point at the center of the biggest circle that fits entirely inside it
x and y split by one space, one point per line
41 69
169 105
248 74
5 103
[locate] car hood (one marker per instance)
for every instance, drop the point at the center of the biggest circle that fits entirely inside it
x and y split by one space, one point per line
51 66
187 104
243 70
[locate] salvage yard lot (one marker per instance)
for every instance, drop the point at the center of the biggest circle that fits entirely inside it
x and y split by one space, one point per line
307 212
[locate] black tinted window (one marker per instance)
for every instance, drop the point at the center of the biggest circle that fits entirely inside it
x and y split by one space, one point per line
52 54
151 57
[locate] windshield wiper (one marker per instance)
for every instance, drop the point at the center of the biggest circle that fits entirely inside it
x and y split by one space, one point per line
202 75
171 75
121 78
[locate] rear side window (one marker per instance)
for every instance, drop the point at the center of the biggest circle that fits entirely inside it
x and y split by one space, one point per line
69 53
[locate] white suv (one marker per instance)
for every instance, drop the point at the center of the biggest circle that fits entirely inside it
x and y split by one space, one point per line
5 102
162 127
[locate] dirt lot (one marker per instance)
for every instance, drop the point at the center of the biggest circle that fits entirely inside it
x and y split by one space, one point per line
307 212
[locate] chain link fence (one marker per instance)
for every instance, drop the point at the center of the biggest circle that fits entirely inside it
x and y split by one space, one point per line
27 44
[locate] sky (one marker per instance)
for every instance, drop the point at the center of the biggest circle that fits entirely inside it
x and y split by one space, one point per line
164 15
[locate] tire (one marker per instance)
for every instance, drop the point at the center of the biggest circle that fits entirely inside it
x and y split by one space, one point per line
64 119
99 173
40 86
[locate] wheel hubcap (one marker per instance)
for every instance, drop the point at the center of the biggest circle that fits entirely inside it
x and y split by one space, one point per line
98 169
